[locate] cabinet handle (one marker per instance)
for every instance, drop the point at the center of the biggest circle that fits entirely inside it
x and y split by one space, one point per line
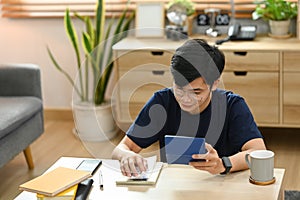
158 72
240 73
240 53
157 53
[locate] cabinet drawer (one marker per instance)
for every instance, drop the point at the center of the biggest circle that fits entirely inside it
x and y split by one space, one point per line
146 81
291 61
291 85
291 114
138 85
251 61
260 91
291 98
137 58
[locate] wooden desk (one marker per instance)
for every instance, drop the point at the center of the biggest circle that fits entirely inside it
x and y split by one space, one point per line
176 182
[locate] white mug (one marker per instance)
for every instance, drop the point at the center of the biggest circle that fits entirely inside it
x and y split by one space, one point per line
261 165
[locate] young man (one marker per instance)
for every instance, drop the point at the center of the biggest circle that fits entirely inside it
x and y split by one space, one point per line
194 107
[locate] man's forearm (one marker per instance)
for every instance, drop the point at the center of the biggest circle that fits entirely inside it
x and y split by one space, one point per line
238 160
125 148
120 151
131 163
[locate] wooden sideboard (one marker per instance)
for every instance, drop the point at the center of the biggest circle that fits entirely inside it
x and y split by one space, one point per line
266 72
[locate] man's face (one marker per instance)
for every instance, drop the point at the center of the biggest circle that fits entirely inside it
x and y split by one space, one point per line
194 97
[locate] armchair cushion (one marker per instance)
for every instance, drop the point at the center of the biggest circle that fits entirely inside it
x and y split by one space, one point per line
24 108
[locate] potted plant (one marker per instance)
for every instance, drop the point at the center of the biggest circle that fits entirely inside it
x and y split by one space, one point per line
279 14
90 107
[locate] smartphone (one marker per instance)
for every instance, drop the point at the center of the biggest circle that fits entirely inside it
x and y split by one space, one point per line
89 165
197 160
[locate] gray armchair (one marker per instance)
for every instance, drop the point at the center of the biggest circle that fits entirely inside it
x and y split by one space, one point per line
21 110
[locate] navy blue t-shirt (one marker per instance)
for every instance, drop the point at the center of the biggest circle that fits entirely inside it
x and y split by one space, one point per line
227 123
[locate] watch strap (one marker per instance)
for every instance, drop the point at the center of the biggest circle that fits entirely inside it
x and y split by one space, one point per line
227 164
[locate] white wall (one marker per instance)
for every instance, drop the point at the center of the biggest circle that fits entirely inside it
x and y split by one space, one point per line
25 41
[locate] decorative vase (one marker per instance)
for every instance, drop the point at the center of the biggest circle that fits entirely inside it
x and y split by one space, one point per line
94 123
279 28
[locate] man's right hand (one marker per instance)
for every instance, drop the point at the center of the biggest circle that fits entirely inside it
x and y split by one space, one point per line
132 164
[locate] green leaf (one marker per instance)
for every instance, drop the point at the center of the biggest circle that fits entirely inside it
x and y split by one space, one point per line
72 35
119 25
99 96
71 32
127 25
90 30
108 30
102 62
64 72
86 43
82 18
100 20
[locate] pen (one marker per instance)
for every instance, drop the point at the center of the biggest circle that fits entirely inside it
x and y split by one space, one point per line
100 180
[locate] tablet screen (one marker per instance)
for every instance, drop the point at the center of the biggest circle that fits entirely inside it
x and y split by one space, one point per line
179 149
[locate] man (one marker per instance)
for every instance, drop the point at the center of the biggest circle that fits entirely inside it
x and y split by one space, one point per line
194 107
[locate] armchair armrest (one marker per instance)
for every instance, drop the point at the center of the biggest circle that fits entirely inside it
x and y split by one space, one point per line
20 80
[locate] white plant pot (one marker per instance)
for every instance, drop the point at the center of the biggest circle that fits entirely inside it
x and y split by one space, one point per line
94 123
280 28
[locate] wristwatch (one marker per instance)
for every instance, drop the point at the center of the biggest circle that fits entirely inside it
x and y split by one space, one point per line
227 164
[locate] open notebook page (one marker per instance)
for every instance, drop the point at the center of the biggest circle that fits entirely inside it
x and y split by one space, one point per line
145 175
145 178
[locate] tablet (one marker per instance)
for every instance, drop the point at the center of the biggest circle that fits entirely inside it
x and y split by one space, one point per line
179 149
90 165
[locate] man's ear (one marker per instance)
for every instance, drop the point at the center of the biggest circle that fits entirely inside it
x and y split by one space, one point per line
215 85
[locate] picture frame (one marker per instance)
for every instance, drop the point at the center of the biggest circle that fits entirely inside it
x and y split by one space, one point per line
150 19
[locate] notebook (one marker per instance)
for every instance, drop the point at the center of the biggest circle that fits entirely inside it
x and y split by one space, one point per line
55 181
68 194
179 149
149 177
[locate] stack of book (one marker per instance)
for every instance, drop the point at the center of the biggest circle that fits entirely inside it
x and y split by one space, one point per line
68 194
59 184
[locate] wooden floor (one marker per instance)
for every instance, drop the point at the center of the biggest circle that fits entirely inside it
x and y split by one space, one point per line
59 140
